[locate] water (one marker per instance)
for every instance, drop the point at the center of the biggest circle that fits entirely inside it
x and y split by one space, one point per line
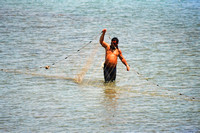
160 40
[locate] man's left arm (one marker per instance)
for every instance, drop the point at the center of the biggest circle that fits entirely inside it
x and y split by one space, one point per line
123 60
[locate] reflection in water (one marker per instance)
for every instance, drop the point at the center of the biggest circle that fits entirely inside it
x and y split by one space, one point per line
110 103
110 90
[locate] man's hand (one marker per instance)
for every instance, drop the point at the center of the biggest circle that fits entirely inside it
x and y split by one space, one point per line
104 31
101 40
128 67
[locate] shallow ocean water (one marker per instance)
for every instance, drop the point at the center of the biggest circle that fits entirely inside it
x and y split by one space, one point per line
159 39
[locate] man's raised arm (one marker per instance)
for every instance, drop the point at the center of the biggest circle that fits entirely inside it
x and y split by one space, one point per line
101 40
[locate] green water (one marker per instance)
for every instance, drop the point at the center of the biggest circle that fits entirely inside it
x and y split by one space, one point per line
159 39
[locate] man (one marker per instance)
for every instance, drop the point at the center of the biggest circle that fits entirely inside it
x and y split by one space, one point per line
112 52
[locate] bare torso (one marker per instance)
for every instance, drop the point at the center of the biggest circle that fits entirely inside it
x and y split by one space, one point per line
111 57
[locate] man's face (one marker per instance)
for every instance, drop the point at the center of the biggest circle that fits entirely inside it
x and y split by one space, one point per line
114 42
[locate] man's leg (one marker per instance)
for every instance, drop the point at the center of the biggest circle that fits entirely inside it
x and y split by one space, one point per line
106 74
113 74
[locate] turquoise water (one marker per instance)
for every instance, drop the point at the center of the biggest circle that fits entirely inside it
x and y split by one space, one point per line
159 39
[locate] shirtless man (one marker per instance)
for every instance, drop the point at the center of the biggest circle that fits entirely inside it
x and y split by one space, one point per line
112 52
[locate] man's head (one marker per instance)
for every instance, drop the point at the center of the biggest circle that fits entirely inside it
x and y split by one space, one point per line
115 42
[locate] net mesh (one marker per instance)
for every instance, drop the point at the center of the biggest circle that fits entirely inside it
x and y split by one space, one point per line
85 67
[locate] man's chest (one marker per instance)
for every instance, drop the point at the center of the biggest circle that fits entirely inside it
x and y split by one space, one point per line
112 52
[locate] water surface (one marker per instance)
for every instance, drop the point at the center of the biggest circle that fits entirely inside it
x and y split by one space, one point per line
159 39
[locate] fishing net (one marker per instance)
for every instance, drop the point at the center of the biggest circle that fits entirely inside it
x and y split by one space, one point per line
84 66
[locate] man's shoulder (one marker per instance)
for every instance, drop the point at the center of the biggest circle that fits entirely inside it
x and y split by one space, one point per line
120 52
104 44
108 47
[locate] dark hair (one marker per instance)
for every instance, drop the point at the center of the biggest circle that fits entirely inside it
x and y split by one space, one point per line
115 39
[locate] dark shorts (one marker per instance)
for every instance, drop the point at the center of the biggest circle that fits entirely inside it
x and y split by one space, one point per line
109 73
